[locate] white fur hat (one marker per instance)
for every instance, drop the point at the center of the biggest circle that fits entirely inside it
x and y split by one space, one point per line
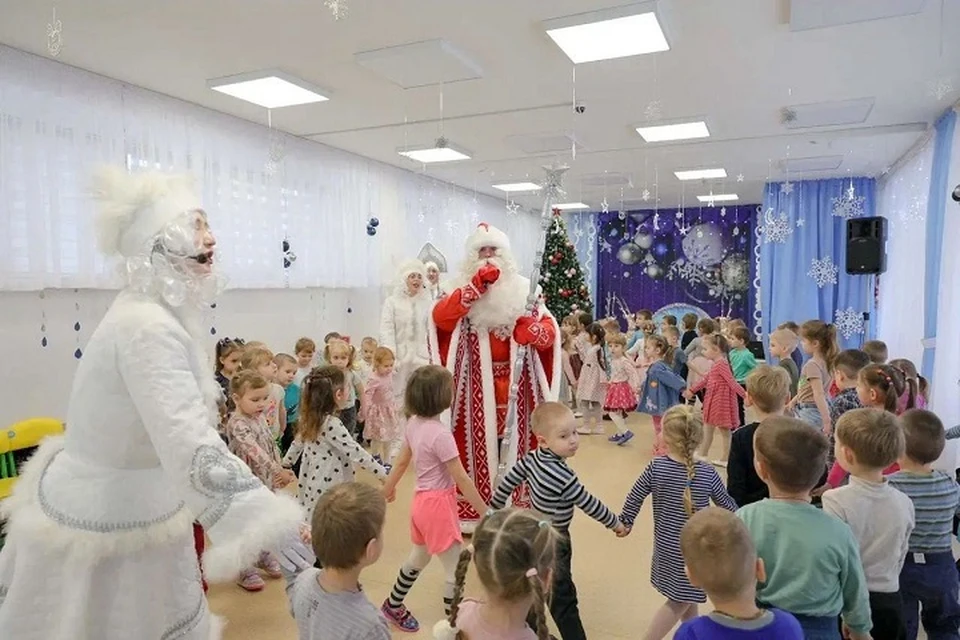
135 208
412 266
487 236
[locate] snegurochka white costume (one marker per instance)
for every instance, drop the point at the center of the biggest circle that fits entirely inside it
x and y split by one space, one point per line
404 322
100 543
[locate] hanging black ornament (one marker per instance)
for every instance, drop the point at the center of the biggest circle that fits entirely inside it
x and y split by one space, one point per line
374 222
371 231
78 353
76 326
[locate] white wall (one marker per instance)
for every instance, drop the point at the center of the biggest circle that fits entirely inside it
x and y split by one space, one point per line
36 380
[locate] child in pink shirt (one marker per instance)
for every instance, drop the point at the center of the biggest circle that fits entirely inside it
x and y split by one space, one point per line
434 524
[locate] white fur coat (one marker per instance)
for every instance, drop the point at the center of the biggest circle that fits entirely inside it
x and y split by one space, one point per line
403 327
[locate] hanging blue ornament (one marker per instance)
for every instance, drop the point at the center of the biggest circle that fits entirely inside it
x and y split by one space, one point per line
76 326
213 306
371 231
349 309
78 354
43 342
374 223
213 331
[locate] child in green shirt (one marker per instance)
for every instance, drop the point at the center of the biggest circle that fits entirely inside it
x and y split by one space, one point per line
741 361
816 577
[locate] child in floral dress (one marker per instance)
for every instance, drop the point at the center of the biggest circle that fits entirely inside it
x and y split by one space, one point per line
382 421
592 384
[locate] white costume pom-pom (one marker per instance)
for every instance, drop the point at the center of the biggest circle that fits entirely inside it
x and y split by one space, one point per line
443 631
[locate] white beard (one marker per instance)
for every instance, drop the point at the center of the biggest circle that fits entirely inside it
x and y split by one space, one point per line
506 299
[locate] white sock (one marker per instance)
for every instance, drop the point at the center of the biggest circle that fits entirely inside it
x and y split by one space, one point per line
619 421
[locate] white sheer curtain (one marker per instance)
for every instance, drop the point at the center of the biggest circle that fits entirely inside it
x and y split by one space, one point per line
946 371
57 122
903 202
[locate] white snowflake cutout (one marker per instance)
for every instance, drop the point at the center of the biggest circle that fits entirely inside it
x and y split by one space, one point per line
787 188
823 271
848 322
54 36
605 206
850 205
645 195
337 7
776 229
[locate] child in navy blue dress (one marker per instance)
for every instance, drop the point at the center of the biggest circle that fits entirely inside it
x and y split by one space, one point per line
680 487
722 560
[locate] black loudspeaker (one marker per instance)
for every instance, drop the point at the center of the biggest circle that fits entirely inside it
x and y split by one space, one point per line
866 242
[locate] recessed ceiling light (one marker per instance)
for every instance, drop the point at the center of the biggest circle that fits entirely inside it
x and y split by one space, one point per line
679 131
511 187
719 197
571 206
269 89
701 174
434 154
614 33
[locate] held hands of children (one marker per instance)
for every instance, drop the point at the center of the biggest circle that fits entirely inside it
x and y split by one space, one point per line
621 530
283 477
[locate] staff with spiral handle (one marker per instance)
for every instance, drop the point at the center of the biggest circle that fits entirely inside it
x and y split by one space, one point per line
552 190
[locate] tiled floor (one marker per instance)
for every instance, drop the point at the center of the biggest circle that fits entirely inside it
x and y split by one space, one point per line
612 575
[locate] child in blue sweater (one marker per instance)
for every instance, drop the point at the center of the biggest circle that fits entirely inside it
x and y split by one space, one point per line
661 388
721 560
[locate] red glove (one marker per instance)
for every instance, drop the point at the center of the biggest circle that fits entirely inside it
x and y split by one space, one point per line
485 276
527 331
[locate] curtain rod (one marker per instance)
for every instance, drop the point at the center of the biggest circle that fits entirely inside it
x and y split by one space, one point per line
914 149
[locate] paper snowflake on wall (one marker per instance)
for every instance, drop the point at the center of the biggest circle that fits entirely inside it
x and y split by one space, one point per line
849 322
338 8
776 229
850 205
823 271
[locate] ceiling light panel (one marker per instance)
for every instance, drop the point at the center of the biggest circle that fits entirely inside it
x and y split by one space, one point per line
269 89
631 30
719 197
571 206
517 187
818 14
827 114
701 174
435 154
815 163
673 132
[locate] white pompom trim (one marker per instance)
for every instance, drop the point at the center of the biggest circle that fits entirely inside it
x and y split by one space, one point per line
443 631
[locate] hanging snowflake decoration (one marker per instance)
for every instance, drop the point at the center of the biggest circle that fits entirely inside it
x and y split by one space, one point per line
849 322
800 222
54 36
723 212
787 188
653 111
452 226
913 211
512 208
474 216
850 205
605 246
337 7
776 229
645 195
823 271
739 177
605 206
940 88
689 272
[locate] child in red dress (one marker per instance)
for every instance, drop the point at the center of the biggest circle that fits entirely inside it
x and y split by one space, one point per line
720 402
622 388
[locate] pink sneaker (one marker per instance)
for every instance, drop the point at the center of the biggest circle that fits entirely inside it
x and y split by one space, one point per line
250 580
269 565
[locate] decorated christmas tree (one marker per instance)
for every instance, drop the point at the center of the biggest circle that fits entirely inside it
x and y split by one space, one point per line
561 278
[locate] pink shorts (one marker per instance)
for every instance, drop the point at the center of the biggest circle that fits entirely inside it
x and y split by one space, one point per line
433 520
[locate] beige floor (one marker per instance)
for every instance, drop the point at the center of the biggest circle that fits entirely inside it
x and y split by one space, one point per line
612 575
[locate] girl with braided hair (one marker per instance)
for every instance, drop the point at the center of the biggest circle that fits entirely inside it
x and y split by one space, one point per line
681 485
915 395
514 552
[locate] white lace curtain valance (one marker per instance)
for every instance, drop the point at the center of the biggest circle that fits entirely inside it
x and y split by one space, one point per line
260 187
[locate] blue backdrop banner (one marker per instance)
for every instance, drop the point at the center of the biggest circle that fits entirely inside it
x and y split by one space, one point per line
803 249
699 260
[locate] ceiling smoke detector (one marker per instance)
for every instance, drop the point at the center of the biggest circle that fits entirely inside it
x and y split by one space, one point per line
787 115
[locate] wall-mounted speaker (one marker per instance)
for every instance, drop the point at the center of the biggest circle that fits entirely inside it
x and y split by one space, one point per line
866 241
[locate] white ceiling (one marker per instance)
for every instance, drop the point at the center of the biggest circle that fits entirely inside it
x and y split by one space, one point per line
735 62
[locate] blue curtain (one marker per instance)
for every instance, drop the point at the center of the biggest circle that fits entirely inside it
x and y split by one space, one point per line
936 206
803 245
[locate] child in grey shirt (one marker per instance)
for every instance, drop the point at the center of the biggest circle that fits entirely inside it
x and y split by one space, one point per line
329 603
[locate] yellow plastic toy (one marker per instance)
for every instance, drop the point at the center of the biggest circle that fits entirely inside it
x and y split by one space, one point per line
22 435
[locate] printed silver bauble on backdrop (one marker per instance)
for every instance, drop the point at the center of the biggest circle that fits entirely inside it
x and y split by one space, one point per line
643 240
703 245
654 271
734 273
629 254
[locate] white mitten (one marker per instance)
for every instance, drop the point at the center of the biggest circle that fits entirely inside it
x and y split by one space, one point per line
443 631
293 554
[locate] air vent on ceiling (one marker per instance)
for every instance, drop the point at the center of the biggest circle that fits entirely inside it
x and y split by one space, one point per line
420 64
605 180
819 14
815 163
537 143
826 114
